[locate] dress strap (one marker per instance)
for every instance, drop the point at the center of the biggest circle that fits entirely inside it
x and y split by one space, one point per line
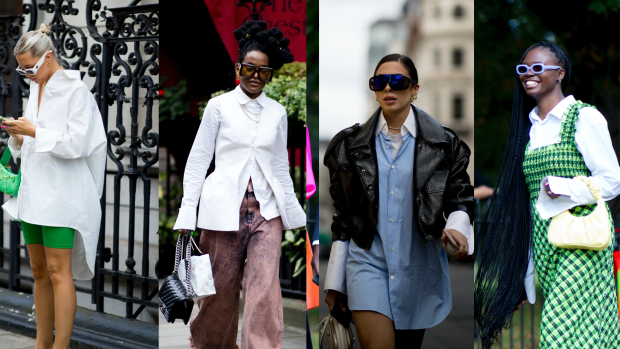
567 132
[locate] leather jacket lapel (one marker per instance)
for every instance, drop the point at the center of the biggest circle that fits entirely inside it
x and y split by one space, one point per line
427 155
363 155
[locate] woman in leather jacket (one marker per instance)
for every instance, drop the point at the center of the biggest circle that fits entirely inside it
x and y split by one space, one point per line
393 180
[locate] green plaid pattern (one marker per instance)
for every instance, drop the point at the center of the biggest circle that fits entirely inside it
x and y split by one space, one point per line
581 307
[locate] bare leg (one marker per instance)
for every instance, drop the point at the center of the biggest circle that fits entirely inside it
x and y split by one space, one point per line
65 300
43 297
376 331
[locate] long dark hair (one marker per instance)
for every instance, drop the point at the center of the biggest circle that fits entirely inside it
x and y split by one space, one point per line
505 237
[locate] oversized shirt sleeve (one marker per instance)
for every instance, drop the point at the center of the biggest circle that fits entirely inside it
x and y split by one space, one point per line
75 143
459 221
280 166
15 148
594 143
198 164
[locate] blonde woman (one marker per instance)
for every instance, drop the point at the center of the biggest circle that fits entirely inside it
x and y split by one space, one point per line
62 145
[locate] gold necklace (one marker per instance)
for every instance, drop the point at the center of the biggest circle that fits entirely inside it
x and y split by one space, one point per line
246 111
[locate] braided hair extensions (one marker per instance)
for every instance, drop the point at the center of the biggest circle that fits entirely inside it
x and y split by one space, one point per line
505 237
254 36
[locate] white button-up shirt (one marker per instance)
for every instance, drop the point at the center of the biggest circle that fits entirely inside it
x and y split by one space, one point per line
594 144
63 167
205 146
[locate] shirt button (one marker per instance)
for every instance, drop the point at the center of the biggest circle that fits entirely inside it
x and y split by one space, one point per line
392 219
388 147
392 277
392 192
392 248
392 166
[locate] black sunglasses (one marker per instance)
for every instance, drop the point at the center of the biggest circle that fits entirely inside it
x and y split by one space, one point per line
247 70
397 82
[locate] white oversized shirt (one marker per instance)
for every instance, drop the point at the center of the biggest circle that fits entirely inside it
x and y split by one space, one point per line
204 147
63 167
594 143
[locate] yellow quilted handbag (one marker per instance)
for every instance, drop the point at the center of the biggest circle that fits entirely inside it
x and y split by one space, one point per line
591 232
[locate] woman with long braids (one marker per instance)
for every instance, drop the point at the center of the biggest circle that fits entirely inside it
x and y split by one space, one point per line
62 145
393 180
245 202
552 139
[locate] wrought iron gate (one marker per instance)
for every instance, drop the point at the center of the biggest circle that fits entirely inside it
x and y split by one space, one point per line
128 50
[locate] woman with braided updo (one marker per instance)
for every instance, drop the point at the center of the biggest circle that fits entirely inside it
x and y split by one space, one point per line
552 139
62 145
245 202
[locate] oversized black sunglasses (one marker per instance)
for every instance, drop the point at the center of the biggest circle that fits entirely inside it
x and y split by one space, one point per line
397 82
247 70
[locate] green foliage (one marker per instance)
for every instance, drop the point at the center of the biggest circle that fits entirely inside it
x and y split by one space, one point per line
602 6
173 103
296 253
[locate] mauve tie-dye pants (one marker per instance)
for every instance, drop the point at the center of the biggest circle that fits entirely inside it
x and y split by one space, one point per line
215 325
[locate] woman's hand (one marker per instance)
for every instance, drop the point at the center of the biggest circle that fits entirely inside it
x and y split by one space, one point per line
315 260
460 243
338 307
548 190
21 126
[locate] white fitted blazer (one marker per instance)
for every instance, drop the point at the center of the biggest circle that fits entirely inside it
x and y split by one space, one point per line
221 194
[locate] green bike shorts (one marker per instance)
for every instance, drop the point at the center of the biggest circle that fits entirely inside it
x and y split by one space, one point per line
55 237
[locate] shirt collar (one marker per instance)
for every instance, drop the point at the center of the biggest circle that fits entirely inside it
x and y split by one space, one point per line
557 111
409 125
242 98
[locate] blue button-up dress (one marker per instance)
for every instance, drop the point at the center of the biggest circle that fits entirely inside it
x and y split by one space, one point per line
400 276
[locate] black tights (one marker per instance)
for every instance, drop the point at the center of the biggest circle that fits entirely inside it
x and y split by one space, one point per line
409 339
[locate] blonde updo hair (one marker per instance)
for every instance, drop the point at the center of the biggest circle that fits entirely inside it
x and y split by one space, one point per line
37 42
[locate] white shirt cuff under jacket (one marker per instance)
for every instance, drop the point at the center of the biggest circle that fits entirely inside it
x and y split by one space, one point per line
336 278
459 221
530 282
186 220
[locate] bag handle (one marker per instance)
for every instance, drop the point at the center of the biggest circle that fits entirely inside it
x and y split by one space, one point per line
596 192
6 156
194 243
188 268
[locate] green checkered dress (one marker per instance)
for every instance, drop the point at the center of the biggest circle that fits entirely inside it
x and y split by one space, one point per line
581 308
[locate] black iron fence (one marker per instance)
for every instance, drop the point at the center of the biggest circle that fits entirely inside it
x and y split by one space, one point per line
123 60
523 332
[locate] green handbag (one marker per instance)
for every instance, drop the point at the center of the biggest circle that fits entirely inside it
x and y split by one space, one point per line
9 181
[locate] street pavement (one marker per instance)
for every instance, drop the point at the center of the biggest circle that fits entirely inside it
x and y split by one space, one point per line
457 330
175 336
15 341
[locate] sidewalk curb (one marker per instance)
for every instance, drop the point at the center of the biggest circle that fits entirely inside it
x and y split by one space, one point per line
294 313
91 330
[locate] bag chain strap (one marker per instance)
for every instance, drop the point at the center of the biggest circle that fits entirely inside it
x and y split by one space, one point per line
177 256
188 268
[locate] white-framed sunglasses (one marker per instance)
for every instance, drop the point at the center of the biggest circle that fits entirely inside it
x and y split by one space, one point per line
537 68
33 70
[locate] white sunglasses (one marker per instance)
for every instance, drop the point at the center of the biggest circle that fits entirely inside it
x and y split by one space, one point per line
537 68
33 71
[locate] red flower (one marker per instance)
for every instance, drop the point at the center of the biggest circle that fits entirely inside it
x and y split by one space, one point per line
161 93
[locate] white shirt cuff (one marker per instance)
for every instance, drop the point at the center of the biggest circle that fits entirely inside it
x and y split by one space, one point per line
186 219
45 140
459 221
573 193
336 278
315 242
530 281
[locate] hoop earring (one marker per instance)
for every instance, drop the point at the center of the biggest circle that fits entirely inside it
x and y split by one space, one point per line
377 98
559 81
414 98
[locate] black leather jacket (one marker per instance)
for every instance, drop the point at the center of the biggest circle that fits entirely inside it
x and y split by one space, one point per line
442 184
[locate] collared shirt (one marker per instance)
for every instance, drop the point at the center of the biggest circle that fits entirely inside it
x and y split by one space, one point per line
593 142
457 220
202 153
63 167
400 277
